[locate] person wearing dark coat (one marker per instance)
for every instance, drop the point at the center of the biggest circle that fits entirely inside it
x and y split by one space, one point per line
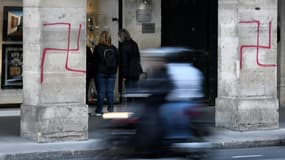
105 73
130 60
89 69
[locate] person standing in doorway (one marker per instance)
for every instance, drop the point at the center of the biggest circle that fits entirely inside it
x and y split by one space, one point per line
130 65
106 63
90 70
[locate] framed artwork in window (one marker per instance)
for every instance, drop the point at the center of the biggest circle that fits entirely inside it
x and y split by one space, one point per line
13 23
12 66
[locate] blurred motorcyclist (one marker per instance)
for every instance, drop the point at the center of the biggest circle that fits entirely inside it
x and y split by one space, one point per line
173 85
165 115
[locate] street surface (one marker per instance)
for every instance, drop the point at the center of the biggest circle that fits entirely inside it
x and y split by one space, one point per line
266 153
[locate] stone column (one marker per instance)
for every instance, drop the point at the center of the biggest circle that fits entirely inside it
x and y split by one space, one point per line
247 70
54 71
281 56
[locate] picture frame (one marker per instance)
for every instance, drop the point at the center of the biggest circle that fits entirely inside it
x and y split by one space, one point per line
12 23
12 66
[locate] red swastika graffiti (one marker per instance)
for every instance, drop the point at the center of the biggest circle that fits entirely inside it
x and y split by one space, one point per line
257 46
68 49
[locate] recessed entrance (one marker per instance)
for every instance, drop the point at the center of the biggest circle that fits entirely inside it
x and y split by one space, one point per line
193 24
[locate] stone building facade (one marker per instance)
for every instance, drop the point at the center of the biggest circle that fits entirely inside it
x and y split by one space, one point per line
250 63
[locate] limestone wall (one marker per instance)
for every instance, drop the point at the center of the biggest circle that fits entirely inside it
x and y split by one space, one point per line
247 65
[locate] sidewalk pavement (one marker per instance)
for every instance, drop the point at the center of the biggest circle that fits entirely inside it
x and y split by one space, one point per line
14 147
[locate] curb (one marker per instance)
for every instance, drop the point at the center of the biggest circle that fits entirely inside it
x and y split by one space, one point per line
227 139
250 143
54 151
55 155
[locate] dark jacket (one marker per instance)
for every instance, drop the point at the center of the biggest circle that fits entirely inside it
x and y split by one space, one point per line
130 65
100 66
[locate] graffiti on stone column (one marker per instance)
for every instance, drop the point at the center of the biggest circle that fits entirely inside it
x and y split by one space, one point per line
67 50
257 46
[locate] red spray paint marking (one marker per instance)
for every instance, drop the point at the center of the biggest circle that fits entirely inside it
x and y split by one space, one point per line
59 49
257 46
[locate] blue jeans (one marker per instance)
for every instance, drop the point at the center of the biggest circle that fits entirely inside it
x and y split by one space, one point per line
105 88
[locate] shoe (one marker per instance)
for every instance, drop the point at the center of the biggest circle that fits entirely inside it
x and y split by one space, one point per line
110 109
95 114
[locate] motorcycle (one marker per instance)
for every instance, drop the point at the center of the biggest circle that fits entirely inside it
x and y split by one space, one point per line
165 113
